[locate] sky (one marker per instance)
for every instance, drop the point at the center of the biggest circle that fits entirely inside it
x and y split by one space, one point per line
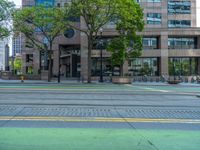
17 2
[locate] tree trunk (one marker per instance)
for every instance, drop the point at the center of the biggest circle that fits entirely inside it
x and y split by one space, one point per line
50 64
90 43
50 67
121 70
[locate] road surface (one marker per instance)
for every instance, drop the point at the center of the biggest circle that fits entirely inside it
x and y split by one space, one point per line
99 116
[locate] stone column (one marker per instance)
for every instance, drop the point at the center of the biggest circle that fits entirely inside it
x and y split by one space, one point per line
55 59
125 67
164 54
84 56
36 61
23 56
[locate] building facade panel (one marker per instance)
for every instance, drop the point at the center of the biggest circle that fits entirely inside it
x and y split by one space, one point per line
170 35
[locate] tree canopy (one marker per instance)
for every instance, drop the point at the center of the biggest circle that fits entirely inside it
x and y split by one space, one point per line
18 64
127 16
41 25
6 9
123 48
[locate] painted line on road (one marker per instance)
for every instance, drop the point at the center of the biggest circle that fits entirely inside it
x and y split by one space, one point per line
157 90
98 119
150 89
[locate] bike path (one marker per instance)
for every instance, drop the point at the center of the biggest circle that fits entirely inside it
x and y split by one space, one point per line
97 139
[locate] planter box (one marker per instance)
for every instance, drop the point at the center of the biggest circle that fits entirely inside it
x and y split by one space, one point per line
174 81
6 75
121 80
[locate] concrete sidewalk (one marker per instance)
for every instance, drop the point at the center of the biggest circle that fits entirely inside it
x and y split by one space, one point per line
54 81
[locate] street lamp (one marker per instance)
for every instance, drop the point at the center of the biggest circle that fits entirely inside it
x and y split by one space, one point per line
59 63
101 56
174 69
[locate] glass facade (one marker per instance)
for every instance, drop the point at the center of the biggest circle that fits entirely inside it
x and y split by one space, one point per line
154 18
150 43
179 7
45 2
144 66
101 42
182 43
183 66
179 23
96 66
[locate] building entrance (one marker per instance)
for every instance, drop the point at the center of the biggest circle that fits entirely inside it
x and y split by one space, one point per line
70 61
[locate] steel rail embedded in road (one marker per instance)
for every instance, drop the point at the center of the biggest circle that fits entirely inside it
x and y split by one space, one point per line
98 119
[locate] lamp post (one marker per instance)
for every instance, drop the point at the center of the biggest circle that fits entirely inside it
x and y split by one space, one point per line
174 69
59 64
101 55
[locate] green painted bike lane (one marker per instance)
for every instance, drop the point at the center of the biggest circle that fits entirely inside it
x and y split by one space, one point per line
97 139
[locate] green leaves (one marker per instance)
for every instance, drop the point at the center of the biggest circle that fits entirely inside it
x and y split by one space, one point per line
124 47
6 9
18 63
40 22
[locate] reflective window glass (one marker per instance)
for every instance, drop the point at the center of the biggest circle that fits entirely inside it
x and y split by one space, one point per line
179 7
150 43
183 66
182 43
154 18
179 23
144 66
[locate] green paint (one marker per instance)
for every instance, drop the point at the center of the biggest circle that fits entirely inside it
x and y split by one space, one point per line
96 139
106 88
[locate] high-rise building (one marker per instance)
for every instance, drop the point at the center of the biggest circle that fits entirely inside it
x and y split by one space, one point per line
17 44
4 52
171 42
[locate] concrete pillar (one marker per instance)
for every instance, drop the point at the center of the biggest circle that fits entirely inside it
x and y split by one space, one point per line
55 59
164 11
84 56
164 54
125 67
36 61
23 63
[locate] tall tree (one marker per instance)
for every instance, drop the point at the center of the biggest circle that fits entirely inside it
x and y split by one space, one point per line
6 9
18 65
127 15
123 48
41 25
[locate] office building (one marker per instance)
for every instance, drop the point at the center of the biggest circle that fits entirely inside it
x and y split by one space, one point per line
171 42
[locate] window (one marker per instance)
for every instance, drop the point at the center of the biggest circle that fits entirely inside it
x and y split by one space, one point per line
182 43
179 7
44 60
179 23
69 33
58 4
144 66
29 70
153 18
45 2
96 67
183 66
29 57
150 43
101 43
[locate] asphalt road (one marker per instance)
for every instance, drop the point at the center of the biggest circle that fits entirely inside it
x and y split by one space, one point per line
99 116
